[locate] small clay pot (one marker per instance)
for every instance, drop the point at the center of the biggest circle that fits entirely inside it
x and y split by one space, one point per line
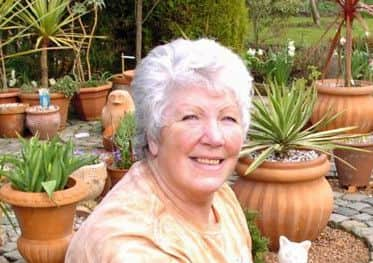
12 119
115 174
44 122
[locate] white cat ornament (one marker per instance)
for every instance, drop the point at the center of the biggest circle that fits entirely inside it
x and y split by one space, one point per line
293 252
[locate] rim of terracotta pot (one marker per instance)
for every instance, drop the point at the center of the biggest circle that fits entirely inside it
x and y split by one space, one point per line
9 92
95 89
286 171
13 108
336 87
37 109
77 191
35 95
357 145
124 78
111 167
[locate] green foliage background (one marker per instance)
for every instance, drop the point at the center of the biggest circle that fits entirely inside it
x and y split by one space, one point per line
225 21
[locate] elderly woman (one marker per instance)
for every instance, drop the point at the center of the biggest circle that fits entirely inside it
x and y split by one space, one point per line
192 100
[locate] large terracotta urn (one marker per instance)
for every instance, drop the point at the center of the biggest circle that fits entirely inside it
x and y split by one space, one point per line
57 99
12 119
90 101
292 199
354 104
44 122
46 225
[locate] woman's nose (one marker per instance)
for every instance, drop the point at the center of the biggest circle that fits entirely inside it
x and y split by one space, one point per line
213 134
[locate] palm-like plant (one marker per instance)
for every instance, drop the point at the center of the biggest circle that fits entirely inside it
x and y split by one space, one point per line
350 10
50 21
278 124
7 13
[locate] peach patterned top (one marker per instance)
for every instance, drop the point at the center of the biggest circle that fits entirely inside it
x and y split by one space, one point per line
136 223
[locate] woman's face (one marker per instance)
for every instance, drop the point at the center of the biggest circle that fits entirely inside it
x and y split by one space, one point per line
199 144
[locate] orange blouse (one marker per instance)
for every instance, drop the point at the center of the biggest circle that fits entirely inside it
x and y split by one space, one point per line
136 223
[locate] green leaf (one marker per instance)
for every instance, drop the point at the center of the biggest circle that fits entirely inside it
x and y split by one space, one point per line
49 187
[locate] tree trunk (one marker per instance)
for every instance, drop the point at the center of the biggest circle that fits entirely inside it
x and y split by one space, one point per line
138 30
44 64
3 69
348 75
315 12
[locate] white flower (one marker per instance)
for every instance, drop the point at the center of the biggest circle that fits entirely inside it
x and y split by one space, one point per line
342 41
52 81
13 74
367 33
291 53
12 82
335 53
291 43
260 52
251 52
34 83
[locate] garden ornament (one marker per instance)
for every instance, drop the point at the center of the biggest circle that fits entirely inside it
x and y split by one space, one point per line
293 252
119 103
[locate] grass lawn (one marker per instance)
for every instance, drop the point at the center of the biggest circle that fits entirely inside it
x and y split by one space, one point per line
305 33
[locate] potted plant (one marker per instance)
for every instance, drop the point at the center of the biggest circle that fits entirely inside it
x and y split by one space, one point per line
61 92
8 11
92 95
352 97
43 196
122 156
282 168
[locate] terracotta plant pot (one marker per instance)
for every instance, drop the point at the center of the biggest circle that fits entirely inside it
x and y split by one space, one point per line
9 95
44 122
123 80
89 102
57 99
362 161
354 103
94 176
115 174
292 199
12 119
46 225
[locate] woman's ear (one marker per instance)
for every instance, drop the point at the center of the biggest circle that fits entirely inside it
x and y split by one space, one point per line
153 146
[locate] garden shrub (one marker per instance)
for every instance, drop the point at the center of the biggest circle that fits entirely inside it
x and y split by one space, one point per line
225 21
259 242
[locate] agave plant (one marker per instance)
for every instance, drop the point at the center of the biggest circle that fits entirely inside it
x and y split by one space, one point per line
278 123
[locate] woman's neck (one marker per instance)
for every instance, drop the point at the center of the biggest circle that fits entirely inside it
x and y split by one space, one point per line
196 207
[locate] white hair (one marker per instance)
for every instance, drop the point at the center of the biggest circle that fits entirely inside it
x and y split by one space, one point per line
182 64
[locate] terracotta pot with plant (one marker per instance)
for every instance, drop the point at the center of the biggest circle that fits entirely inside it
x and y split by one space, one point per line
43 196
351 99
122 156
282 168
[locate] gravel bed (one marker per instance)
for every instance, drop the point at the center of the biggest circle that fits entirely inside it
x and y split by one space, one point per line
333 246
290 156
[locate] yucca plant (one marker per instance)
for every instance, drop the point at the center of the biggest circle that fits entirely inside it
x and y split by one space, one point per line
42 166
51 22
278 125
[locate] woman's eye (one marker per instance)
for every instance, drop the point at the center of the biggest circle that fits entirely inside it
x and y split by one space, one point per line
189 117
229 118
